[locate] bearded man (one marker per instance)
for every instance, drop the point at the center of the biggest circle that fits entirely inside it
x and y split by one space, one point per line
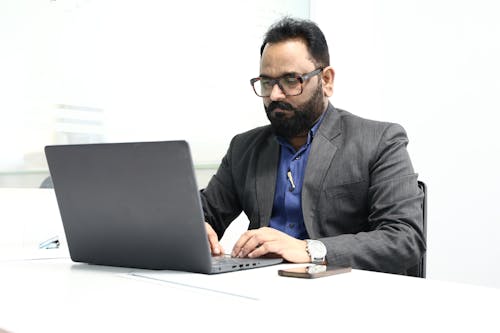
318 184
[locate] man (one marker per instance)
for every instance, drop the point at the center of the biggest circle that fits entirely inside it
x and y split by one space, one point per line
318 184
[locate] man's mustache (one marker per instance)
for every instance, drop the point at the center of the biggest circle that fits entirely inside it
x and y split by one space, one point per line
279 105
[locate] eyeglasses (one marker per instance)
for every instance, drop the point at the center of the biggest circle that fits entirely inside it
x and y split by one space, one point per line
290 84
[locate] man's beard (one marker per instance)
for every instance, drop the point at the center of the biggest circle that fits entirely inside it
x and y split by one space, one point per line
303 118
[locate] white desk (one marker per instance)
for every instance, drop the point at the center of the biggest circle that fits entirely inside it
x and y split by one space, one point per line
57 295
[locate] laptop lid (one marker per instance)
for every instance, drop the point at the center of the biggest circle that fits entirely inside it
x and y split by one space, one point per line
131 205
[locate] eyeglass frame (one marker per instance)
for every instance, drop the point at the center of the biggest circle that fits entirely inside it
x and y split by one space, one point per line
301 78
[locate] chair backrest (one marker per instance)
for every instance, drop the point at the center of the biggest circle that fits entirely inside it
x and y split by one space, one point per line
47 183
420 269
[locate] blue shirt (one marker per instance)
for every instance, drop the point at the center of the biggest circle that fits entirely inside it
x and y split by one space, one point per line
287 206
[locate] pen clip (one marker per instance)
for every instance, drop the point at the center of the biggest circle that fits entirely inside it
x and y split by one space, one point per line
290 178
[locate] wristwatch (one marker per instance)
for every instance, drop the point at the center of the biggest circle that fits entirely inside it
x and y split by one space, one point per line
316 251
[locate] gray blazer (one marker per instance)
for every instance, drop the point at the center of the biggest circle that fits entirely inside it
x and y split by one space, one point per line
359 197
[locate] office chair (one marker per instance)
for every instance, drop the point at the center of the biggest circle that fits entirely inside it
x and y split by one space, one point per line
47 183
420 269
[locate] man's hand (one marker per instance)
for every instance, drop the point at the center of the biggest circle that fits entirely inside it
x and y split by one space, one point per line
213 241
259 242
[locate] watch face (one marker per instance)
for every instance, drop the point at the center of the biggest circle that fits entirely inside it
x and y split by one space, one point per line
316 249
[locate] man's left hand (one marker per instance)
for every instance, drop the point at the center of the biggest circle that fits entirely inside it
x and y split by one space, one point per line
259 242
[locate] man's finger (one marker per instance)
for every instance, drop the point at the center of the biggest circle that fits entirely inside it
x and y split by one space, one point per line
241 242
213 240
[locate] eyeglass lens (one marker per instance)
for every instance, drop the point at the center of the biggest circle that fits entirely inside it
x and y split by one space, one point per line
289 85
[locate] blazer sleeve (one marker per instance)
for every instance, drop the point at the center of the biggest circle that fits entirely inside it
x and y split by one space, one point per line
219 199
393 240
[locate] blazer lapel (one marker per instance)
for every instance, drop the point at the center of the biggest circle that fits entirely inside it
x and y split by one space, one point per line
323 149
267 166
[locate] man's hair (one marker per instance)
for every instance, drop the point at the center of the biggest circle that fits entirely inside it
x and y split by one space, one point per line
290 28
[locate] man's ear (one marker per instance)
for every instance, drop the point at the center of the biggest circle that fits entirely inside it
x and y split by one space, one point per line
327 77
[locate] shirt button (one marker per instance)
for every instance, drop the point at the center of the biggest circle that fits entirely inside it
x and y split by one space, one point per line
291 225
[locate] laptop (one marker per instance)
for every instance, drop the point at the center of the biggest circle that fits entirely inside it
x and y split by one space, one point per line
135 205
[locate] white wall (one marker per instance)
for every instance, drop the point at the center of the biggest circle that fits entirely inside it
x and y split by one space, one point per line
434 67
151 70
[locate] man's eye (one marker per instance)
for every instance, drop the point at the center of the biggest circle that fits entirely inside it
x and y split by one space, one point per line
290 81
265 83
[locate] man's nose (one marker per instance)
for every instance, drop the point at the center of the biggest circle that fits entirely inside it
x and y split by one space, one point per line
277 93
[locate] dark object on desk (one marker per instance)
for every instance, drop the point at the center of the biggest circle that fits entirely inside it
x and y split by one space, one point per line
420 269
313 271
51 243
135 205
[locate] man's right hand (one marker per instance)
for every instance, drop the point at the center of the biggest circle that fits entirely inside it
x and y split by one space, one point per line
213 241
